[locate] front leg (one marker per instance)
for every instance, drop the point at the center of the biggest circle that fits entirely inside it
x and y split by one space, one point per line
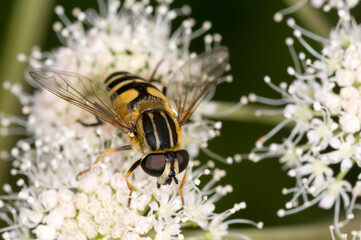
106 152
98 123
152 75
152 79
130 171
181 185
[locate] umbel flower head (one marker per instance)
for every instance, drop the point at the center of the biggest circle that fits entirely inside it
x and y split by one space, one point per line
51 203
323 105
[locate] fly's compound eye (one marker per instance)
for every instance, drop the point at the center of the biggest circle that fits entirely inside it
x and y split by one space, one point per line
154 164
183 159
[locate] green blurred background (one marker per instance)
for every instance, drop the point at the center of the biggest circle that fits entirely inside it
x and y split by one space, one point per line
257 49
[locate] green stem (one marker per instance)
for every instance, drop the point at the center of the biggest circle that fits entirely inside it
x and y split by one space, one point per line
243 114
341 175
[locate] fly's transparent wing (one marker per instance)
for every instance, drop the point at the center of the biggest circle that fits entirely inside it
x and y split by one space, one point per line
81 91
194 79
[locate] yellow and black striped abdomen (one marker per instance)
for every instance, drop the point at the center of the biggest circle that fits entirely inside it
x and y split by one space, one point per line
128 91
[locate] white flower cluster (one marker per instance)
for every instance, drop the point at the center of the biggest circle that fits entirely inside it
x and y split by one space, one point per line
323 106
340 5
96 206
343 7
51 203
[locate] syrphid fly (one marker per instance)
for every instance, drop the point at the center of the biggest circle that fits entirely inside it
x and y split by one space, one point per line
153 119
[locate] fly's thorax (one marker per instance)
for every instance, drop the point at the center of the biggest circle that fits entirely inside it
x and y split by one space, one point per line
158 130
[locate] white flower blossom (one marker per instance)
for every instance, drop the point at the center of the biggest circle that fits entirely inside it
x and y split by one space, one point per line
51 203
323 102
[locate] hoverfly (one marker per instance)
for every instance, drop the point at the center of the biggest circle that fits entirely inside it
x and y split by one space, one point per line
153 119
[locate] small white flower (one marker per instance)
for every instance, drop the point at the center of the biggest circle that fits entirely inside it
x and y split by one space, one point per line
321 132
345 78
350 123
67 209
289 155
49 199
80 200
300 112
330 100
345 149
317 3
44 232
54 219
334 190
198 210
30 217
317 173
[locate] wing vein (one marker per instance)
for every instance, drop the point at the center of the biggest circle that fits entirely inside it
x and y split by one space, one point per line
193 81
83 92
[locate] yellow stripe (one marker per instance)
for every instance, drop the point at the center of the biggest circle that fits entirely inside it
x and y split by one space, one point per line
154 92
128 96
155 130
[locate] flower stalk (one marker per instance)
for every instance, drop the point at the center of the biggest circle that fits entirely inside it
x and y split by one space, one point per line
244 113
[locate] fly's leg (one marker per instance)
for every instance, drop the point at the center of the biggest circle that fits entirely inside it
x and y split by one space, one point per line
151 78
164 90
106 152
181 185
130 171
98 123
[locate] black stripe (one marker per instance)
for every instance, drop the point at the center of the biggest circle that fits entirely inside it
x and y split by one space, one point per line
149 131
122 79
172 128
140 87
162 130
115 74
